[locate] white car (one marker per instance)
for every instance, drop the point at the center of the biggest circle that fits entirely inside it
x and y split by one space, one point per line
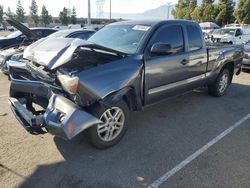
231 35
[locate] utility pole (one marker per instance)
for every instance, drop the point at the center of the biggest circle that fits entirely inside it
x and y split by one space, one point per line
169 4
89 13
110 11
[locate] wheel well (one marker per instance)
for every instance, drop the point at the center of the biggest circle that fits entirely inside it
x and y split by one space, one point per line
230 67
131 99
127 94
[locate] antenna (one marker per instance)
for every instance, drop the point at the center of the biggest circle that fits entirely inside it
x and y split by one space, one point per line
99 11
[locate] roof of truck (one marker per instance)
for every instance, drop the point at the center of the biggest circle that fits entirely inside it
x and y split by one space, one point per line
152 22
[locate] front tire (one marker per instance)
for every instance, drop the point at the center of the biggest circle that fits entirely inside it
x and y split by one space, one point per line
220 86
113 128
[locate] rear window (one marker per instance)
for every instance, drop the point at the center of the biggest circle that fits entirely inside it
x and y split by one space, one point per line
194 38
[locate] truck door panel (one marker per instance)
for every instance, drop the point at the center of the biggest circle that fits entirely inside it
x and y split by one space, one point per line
170 75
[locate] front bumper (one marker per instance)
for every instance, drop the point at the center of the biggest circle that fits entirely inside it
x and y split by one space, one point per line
61 118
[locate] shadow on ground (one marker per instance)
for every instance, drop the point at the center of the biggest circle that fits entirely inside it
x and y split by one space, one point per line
156 140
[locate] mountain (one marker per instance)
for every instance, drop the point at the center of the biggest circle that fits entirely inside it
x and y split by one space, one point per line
157 13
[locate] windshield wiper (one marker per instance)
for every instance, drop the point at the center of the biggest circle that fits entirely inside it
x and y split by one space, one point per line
103 48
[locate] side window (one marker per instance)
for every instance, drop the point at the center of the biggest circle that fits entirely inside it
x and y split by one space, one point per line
48 32
172 35
238 32
83 36
39 33
194 38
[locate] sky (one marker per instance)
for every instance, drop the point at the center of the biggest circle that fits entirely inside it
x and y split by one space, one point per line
118 6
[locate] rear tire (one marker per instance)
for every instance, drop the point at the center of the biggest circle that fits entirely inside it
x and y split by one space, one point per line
113 128
219 87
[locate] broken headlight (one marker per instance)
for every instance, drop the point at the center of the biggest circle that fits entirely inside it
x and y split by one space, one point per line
69 84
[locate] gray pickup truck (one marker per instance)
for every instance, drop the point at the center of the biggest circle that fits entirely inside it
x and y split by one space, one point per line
73 85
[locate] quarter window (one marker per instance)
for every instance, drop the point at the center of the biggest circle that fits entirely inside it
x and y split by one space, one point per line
194 38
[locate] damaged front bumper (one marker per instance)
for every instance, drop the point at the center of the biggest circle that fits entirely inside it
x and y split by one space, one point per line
61 118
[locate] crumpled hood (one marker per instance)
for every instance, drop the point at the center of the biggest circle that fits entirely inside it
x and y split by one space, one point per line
52 52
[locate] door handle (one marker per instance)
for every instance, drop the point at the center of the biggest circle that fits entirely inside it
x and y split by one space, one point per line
184 62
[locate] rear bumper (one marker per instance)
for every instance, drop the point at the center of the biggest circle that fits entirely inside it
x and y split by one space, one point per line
61 118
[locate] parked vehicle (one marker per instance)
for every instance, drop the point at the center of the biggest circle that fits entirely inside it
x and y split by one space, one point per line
19 40
74 26
13 57
93 85
24 36
231 35
246 59
208 27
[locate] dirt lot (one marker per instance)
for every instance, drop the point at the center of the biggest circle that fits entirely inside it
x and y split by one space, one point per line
158 139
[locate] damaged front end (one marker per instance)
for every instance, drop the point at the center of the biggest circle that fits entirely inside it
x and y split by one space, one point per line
59 87
56 114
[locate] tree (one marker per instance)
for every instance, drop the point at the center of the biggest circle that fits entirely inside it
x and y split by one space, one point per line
192 5
225 10
20 13
208 13
46 18
1 14
242 12
9 12
195 15
34 12
181 10
73 16
64 18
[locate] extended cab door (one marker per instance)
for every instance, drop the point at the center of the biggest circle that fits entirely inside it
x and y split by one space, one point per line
181 70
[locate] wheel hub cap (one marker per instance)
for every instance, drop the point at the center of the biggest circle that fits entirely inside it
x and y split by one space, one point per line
223 83
113 121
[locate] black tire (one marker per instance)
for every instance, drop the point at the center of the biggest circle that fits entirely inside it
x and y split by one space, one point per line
95 139
215 88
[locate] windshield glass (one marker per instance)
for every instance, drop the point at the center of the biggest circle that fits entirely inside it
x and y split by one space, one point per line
224 31
14 34
123 38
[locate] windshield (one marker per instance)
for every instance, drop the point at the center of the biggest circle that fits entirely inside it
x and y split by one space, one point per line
123 38
14 34
224 31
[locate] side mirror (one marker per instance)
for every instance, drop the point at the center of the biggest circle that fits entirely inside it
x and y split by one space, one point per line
161 49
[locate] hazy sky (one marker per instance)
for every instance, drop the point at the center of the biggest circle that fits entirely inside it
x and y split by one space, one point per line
119 6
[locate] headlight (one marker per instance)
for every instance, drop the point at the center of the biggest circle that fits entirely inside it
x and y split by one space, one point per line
69 84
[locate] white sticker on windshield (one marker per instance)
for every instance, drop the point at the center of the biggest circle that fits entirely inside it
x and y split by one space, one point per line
141 28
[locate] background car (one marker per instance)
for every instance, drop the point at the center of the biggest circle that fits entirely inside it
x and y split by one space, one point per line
246 59
73 33
16 59
24 35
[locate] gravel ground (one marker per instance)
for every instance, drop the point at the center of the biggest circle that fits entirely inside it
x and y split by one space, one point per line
158 139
